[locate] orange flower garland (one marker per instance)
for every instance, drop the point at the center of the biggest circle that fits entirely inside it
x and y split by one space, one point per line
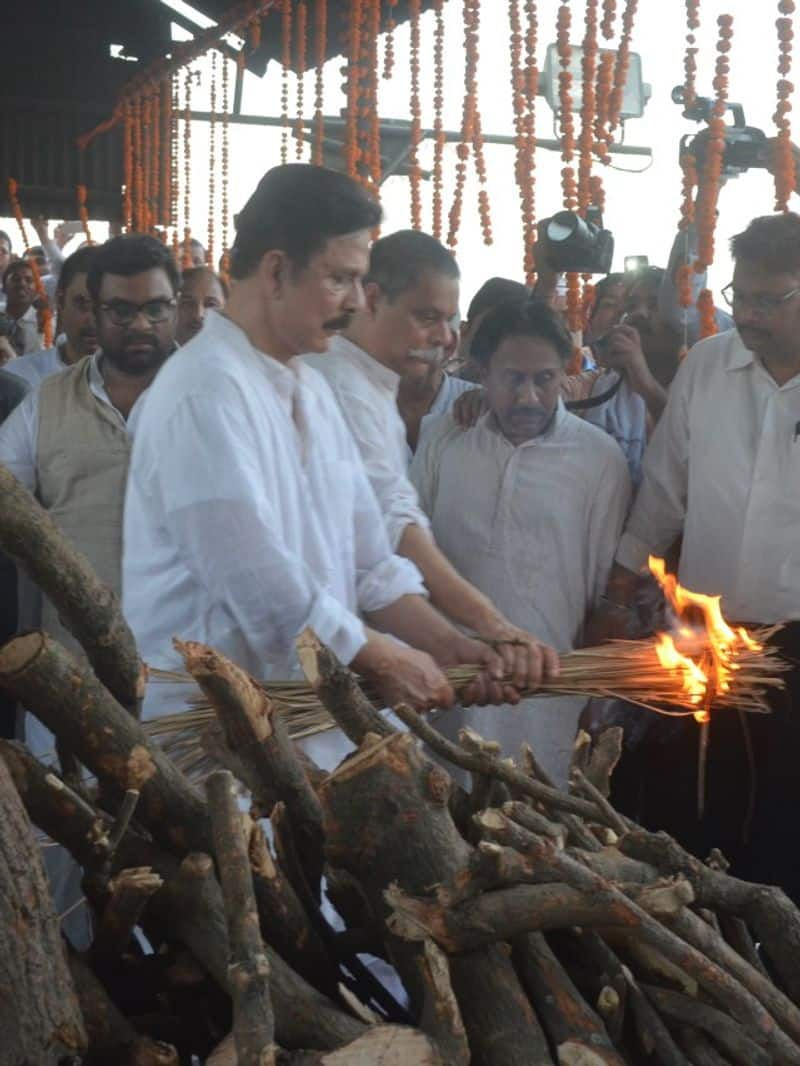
370 111
416 117
165 94
301 28
708 320
186 259
138 212
155 158
529 156
174 181
689 170
127 166
586 138
708 195
224 234
785 175
598 193
622 64
212 163
519 105
438 122
83 213
388 55
609 17
286 62
690 58
351 148
147 155
565 83
477 134
603 90
317 154
45 315
467 128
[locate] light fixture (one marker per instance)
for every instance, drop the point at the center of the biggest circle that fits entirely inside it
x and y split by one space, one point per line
634 98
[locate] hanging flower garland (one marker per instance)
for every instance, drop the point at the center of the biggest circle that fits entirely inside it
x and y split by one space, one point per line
531 90
370 111
352 89
174 179
586 138
212 164
416 118
622 65
317 154
83 214
688 187
154 213
566 120
708 194
690 57
286 62
127 167
708 316
301 31
224 167
186 259
609 17
477 132
785 176
519 105
438 120
147 155
388 54
44 313
467 121
165 93
603 90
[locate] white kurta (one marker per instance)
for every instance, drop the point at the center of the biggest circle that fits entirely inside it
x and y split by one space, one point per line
723 468
248 513
449 391
535 528
35 367
366 392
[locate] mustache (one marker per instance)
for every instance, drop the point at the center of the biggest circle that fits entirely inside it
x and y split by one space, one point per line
427 355
527 412
341 322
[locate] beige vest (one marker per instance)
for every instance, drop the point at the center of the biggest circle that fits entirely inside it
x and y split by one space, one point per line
82 456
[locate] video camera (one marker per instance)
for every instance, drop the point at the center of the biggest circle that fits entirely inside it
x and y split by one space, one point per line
576 244
746 146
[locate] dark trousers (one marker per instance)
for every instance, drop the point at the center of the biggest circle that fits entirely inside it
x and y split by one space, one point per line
657 784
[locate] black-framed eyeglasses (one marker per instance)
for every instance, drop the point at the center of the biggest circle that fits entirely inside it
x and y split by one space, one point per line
122 312
763 304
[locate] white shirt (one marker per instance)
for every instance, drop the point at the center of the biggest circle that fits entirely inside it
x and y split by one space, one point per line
20 431
723 468
535 528
37 366
447 394
248 515
366 391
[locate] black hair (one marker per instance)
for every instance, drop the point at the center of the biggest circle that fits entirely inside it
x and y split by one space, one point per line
296 209
77 263
772 242
398 261
610 281
191 273
494 292
13 266
133 253
5 237
520 318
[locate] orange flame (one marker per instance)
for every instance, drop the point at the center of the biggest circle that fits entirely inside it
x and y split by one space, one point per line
710 670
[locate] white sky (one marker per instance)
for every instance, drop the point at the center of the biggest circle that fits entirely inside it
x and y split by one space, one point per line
642 209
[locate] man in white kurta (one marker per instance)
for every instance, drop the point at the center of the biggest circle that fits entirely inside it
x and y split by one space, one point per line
530 513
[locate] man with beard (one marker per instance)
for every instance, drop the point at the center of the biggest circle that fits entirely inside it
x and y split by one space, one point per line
69 441
201 290
723 471
528 504
411 296
75 320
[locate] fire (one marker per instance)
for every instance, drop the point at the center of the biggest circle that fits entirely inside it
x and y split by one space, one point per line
707 647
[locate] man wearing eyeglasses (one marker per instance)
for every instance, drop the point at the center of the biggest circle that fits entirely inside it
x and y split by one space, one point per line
723 471
69 441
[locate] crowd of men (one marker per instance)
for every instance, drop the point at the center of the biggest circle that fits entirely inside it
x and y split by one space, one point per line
319 441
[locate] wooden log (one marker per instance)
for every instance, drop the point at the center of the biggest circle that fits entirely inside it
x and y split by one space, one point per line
482 763
74 705
771 915
740 939
732 1038
699 1048
248 968
87 607
387 820
611 817
440 1016
572 1026
255 730
338 690
603 758
40 1019
653 1035
535 822
129 892
111 1036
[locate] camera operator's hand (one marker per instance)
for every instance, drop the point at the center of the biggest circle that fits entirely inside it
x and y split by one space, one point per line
622 351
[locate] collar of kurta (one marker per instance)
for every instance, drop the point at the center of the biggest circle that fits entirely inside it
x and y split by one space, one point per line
218 329
488 422
738 357
375 372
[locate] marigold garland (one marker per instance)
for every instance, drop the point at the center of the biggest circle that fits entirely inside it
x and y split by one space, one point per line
529 155
224 166
186 257
212 164
138 210
609 17
415 174
44 313
622 65
785 174
83 214
690 57
574 303
477 132
286 62
708 315
371 113
174 179
154 215
688 187
566 120
586 137
708 195
438 121
518 100
598 193
146 157
388 55
165 95
467 127
127 166
321 30
352 151
301 30
603 90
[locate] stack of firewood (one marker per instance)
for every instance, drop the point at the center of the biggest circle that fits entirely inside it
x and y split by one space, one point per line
525 924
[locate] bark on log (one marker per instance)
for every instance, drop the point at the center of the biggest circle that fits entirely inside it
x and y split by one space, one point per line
75 706
740 939
572 1026
248 968
603 758
129 892
254 729
731 1037
771 915
654 1037
339 691
87 607
440 1016
111 1036
40 1019
699 1048
387 820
